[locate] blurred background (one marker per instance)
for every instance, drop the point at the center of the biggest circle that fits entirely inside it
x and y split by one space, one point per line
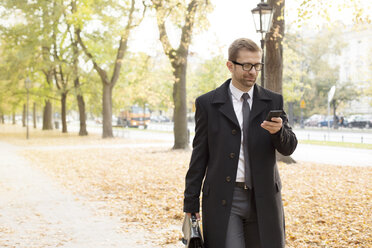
93 94
65 54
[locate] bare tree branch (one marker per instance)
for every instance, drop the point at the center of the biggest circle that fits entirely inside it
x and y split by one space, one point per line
143 15
123 45
102 73
188 27
163 36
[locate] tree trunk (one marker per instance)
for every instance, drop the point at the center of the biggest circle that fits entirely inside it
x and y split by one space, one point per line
24 116
82 116
63 112
274 49
178 59
181 139
34 114
273 66
13 118
47 116
274 57
79 95
2 118
108 85
107 111
47 111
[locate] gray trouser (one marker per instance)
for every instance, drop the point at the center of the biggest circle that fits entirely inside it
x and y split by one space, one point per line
242 230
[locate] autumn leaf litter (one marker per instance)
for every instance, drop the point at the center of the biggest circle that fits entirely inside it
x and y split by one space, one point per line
325 205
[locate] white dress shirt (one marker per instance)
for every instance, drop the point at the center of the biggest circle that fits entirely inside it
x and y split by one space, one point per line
237 101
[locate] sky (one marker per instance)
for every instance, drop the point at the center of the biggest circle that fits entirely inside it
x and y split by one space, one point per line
230 19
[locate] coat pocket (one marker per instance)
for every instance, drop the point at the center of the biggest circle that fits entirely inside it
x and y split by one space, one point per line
205 190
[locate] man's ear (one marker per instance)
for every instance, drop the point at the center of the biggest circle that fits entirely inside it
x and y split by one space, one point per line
230 66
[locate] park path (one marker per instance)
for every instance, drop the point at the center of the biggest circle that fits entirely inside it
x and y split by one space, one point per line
37 212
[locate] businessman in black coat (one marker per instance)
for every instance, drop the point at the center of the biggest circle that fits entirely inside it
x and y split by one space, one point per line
233 159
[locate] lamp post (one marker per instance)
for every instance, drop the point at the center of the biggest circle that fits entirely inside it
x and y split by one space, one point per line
27 86
262 16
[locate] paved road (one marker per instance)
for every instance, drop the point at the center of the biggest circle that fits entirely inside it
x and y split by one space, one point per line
37 212
333 155
310 153
323 134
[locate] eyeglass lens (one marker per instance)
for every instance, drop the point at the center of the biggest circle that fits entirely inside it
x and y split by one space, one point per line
249 66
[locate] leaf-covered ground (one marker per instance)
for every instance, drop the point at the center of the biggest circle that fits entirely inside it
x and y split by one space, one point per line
325 205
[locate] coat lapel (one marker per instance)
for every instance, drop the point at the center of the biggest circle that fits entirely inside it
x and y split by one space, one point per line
260 101
221 96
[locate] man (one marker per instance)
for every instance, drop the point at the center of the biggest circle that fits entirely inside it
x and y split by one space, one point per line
234 157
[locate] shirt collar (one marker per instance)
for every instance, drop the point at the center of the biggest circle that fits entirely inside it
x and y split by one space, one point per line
237 94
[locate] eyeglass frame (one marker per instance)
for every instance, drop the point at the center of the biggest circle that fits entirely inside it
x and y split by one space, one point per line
252 65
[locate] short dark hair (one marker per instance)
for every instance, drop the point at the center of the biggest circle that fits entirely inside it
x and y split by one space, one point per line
240 44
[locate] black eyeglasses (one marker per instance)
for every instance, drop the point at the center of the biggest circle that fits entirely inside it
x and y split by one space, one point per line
249 66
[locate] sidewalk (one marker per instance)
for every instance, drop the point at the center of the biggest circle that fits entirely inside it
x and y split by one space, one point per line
37 212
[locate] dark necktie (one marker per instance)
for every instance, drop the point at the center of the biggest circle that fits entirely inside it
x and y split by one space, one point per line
246 110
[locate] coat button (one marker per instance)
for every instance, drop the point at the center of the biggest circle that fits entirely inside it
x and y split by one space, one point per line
223 202
232 155
233 132
228 179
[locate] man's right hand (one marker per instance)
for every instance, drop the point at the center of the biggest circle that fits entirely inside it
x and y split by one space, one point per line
196 214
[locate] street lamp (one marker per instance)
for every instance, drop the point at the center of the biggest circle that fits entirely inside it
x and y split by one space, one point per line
27 86
262 17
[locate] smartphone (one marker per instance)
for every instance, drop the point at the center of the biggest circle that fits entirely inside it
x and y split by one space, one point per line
273 113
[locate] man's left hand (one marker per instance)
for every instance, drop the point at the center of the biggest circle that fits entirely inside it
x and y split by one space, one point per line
273 126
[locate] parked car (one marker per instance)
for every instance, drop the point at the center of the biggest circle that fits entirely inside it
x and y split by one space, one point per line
324 121
360 121
154 118
164 118
313 120
159 118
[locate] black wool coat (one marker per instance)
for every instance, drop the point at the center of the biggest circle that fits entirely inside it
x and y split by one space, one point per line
214 163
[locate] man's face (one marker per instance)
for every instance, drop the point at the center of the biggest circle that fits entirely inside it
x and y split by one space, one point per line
242 79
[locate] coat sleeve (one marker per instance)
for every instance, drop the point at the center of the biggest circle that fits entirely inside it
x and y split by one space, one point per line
198 162
284 140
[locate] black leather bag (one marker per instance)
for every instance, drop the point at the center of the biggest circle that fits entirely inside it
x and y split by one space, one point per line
192 236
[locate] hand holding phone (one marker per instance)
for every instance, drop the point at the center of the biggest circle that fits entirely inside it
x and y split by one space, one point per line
273 126
273 113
